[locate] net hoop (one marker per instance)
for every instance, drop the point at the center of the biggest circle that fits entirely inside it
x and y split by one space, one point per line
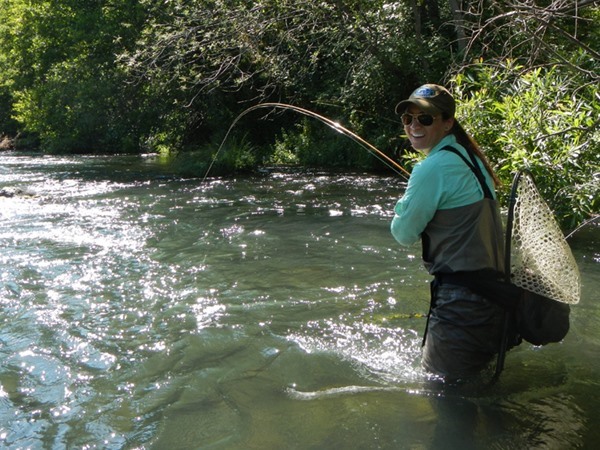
538 257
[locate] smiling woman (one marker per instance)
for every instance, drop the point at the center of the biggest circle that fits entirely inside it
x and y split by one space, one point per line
427 130
450 204
434 118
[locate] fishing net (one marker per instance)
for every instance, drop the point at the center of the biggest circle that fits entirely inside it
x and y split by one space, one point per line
541 260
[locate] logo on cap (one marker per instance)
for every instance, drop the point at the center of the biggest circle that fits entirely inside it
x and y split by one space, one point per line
426 92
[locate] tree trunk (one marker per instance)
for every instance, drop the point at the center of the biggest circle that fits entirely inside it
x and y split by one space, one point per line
459 24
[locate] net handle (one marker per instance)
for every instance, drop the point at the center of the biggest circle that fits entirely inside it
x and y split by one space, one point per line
507 256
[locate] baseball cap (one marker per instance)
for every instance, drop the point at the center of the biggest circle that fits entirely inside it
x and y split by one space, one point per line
431 98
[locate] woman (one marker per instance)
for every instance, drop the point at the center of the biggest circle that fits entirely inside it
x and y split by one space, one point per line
450 204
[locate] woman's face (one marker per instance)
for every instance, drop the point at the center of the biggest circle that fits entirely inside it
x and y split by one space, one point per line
425 137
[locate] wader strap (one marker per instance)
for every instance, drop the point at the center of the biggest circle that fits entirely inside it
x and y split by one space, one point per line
474 166
433 285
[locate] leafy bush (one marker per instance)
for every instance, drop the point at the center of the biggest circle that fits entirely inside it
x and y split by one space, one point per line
212 159
543 120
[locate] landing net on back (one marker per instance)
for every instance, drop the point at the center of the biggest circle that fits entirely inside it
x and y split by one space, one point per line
541 261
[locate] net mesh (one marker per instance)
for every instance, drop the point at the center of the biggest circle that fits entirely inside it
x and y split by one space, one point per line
541 261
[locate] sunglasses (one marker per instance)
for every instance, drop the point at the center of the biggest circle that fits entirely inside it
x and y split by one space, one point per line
424 119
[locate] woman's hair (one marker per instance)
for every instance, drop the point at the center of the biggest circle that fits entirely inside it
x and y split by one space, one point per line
464 139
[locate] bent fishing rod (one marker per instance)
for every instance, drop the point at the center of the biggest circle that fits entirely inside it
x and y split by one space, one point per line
389 162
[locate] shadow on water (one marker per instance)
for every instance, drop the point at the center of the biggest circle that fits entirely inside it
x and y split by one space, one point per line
262 313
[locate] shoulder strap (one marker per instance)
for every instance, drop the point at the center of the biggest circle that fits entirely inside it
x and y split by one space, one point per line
474 166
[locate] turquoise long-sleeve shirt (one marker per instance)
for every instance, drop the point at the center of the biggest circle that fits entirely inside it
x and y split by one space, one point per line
441 181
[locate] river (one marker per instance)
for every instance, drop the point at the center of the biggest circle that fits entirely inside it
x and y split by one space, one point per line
143 311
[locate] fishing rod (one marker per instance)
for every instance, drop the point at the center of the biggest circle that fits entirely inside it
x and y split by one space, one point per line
389 162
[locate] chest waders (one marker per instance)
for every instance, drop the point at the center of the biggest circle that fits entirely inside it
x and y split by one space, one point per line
482 277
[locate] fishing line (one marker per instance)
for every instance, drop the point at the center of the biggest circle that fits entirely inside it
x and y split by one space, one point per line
585 223
389 162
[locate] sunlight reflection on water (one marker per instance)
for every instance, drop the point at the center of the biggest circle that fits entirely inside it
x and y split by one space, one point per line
389 354
254 313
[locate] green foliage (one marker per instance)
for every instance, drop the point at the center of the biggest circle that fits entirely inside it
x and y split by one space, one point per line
212 159
350 56
542 120
237 156
76 111
287 147
320 147
58 62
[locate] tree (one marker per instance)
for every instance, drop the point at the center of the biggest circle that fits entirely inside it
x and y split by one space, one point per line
58 67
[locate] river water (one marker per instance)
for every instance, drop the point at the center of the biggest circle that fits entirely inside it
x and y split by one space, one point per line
141 311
